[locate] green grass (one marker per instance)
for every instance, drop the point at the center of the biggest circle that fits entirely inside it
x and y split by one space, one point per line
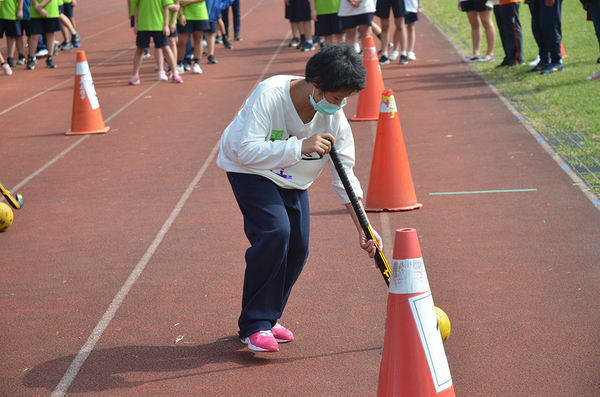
564 107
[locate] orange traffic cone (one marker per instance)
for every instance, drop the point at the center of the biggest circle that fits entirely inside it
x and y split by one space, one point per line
368 99
390 184
87 117
414 362
563 52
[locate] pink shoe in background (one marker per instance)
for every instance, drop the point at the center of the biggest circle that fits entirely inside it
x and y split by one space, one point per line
177 78
7 69
594 77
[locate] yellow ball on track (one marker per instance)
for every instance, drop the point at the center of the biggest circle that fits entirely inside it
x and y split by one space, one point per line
6 217
443 324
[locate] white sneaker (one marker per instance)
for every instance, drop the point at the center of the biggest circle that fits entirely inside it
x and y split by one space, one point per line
357 47
179 69
7 69
197 69
535 61
394 55
412 56
41 53
161 76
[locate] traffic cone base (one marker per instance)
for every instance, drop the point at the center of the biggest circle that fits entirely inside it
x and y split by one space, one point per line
102 131
87 117
394 209
369 98
413 362
391 186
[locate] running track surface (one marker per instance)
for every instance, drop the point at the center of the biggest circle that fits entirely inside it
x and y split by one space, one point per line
122 274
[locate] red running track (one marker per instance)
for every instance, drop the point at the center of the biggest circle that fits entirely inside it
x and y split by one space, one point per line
126 262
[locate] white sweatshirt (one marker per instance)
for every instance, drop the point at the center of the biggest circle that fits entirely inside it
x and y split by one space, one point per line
347 9
266 139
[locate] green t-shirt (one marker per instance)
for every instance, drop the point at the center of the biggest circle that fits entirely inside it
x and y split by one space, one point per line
60 2
196 11
323 7
8 10
51 8
151 14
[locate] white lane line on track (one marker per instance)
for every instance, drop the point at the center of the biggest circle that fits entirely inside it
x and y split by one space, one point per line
16 105
105 30
77 142
548 148
87 348
94 337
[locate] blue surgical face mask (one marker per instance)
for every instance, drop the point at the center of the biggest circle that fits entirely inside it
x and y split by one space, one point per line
324 106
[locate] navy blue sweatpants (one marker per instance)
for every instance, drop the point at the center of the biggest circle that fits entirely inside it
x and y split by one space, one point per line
277 225
547 29
235 9
509 26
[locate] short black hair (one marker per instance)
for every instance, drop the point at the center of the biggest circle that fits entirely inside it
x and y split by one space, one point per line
337 66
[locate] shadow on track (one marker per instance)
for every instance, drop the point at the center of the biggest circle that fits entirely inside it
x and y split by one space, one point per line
104 368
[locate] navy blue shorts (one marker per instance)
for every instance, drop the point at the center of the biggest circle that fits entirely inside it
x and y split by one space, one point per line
288 12
411 17
143 39
61 9
25 26
68 10
353 21
299 11
474 5
328 24
43 25
194 26
397 6
213 27
11 28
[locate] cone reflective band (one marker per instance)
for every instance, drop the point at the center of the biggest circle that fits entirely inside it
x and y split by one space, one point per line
370 52
86 117
369 98
413 362
391 185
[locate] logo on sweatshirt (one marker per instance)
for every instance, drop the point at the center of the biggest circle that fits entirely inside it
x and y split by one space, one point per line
276 135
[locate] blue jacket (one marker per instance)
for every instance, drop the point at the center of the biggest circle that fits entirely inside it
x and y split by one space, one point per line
215 7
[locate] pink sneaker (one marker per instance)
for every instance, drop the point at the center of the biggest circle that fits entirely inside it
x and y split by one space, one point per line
282 334
262 341
594 77
177 78
7 69
161 76
135 80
